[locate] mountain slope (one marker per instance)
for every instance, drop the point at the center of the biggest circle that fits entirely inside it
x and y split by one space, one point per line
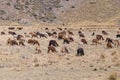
60 11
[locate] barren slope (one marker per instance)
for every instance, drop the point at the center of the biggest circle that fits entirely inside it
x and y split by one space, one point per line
60 11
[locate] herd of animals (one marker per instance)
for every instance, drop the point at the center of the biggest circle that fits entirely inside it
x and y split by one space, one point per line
59 34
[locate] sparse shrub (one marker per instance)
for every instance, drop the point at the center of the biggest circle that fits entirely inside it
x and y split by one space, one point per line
54 17
19 7
91 65
67 0
109 66
102 56
36 65
35 60
56 3
92 2
2 12
50 8
105 69
8 4
113 76
35 15
117 64
114 53
95 69
27 3
72 6
44 20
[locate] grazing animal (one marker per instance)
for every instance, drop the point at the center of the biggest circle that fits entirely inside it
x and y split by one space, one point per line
49 33
41 35
59 29
109 45
11 42
60 36
63 32
96 41
37 48
99 37
104 32
51 48
19 28
33 34
64 50
81 35
93 34
116 43
11 28
33 42
36 42
112 41
55 33
53 43
2 33
109 40
84 41
19 37
46 29
71 39
66 40
80 52
65 28
30 41
12 33
79 32
21 42
70 33
118 36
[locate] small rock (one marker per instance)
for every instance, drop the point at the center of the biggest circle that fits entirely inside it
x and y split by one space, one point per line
36 65
95 69
105 69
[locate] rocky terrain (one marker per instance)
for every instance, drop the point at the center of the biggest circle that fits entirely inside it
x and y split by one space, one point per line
83 12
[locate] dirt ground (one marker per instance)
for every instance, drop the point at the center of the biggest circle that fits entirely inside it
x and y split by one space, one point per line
21 62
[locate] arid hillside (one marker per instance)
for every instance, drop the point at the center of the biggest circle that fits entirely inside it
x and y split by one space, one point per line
29 12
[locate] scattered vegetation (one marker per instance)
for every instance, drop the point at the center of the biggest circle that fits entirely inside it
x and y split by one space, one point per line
72 6
102 57
67 0
113 76
2 12
8 4
92 2
18 7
